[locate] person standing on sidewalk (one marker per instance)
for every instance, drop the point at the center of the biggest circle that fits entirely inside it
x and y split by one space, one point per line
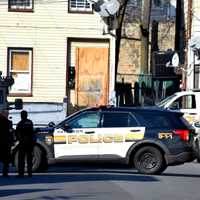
5 142
26 138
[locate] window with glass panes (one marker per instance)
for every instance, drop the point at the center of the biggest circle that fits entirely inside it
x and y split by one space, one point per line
20 68
20 4
80 6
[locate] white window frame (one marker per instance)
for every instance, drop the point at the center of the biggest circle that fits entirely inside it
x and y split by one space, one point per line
19 87
80 6
20 7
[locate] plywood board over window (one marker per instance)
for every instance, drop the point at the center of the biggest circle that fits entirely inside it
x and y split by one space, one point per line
20 61
91 76
20 68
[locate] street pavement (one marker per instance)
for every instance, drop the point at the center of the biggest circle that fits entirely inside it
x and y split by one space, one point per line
96 181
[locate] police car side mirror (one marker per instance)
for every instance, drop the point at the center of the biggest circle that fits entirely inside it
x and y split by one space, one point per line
66 126
51 124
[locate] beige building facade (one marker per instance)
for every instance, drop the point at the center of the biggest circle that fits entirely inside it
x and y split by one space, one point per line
39 42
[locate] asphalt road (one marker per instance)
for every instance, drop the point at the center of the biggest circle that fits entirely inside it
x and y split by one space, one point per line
99 182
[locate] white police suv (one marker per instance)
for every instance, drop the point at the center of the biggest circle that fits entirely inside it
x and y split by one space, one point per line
148 139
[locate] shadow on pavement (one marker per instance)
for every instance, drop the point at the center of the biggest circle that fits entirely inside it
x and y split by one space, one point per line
75 177
62 177
9 192
109 168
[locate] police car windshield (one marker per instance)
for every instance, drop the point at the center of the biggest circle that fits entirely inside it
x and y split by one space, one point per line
165 101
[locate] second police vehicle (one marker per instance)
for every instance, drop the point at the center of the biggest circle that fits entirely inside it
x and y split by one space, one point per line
147 139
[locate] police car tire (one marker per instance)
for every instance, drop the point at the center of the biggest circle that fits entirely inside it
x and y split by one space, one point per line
37 159
44 163
149 160
162 169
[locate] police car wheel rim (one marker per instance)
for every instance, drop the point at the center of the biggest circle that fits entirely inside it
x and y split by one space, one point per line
148 161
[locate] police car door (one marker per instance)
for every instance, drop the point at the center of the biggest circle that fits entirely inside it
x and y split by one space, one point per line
120 130
72 139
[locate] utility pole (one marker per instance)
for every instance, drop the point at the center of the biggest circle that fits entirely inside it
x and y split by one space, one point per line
154 49
145 20
180 29
188 37
180 41
154 40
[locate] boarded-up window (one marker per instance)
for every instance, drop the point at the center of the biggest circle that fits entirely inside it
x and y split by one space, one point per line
91 76
20 61
20 68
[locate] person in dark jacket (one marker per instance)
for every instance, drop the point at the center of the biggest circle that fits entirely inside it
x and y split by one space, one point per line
26 138
5 142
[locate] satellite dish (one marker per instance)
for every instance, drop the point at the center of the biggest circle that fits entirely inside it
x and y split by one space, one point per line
195 46
173 59
106 8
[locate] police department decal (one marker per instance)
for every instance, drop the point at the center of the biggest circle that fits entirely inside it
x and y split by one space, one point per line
100 138
165 135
